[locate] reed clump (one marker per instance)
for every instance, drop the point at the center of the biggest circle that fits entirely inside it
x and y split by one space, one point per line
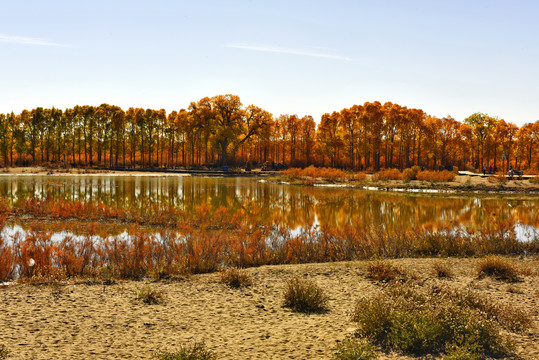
305 296
209 239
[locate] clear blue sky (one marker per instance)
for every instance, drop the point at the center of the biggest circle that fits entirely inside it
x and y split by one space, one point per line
296 57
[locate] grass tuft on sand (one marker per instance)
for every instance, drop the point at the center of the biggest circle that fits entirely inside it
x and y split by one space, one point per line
305 296
236 278
195 351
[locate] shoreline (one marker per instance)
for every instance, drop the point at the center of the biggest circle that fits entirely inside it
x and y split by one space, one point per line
463 183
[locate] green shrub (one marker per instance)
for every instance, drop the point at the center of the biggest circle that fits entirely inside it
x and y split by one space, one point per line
427 321
305 296
462 353
236 278
196 351
150 296
353 348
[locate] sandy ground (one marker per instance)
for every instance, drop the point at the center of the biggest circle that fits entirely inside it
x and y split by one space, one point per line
81 321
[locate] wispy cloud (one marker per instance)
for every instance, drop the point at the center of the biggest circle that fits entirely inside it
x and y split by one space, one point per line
281 50
22 40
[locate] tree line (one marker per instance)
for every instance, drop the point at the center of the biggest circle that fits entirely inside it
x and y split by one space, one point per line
220 130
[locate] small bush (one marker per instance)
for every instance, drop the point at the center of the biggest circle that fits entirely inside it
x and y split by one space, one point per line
436 176
535 180
442 270
384 271
150 296
427 321
305 296
411 173
354 349
4 352
196 351
498 268
359 176
236 278
462 353
388 174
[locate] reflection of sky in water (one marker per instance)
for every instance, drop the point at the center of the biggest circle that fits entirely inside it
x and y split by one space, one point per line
297 207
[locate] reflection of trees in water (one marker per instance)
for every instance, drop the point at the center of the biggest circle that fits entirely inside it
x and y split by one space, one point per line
291 205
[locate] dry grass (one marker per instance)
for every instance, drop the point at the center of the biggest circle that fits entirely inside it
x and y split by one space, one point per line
497 179
305 296
150 296
498 268
442 270
196 351
236 278
384 271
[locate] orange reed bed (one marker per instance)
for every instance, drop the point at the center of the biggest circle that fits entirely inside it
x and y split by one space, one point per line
209 248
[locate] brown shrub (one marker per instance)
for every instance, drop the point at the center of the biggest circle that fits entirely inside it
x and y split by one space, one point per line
498 268
384 271
388 174
436 176
411 173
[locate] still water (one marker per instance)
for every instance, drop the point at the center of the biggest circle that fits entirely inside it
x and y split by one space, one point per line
295 206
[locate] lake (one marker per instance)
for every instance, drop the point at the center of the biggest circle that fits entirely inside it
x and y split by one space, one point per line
294 206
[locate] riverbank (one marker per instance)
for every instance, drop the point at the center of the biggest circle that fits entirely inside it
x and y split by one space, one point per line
84 319
134 172
461 183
